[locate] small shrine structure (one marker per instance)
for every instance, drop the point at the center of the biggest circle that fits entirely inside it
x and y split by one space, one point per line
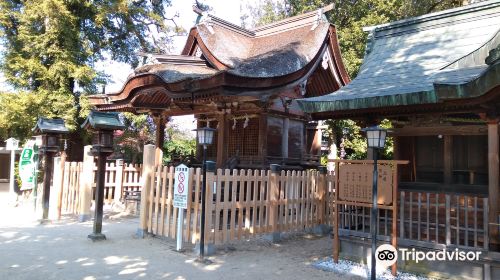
245 83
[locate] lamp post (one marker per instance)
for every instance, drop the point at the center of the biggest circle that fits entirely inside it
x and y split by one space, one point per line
103 126
12 145
49 131
375 136
205 136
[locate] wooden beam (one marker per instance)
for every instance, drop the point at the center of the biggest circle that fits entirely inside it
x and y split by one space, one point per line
440 130
284 139
222 134
448 159
493 184
316 142
160 122
262 152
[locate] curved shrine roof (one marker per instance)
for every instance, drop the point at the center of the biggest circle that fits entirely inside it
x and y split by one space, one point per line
408 62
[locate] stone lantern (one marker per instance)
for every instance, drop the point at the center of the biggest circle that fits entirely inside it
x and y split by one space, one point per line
49 133
102 125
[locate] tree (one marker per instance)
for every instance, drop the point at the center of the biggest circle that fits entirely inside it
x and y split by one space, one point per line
179 143
139 131
349 18
20 111
51 47
265 12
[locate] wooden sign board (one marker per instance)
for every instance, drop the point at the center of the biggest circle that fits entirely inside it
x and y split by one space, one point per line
356 183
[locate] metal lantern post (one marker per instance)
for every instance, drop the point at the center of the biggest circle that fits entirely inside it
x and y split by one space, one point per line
49 132
103 126
375 136
205 136
12 145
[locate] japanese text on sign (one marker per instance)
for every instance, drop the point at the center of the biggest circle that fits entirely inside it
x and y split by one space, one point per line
181 183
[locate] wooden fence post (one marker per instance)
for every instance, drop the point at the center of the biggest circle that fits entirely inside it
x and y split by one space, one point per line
273 200
448 217
60 182
56 194
119 180
209 209
86 182
322 227
148 172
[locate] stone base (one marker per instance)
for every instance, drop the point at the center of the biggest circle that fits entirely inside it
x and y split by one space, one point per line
44 221
274 237
321 229
83 218
97 237
141 233
209 249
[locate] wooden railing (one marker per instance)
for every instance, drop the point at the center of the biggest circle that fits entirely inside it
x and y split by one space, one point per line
433 220
245 203
242 203
119 178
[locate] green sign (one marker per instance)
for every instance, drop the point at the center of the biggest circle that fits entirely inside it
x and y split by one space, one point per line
27 165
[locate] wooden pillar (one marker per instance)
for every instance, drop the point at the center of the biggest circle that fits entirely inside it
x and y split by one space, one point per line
148 171
262 152
316 142
448 159
284 138
160 122
273 184
396 154
59 163
493 172
322 190
86 182
222 134
119 180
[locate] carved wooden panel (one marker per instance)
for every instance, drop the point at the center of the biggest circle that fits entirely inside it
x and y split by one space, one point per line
356 182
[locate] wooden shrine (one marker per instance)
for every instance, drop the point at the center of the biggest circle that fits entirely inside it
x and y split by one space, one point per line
437 79
245 83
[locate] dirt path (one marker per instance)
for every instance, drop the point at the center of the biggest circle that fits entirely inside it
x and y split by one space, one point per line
62 251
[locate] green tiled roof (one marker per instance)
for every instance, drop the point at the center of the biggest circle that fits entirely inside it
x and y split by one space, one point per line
103 120
45 125
422 60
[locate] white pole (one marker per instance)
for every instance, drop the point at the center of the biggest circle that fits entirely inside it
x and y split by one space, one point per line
11 180
180 224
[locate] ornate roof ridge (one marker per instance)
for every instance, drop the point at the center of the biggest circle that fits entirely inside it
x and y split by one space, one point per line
434 16
298 21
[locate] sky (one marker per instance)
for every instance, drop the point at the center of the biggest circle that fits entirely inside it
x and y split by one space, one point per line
228 10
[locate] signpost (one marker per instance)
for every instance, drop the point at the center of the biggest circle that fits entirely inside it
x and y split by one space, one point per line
27 165
181 184
12 145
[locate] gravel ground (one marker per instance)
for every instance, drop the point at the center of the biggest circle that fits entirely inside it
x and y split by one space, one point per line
61 250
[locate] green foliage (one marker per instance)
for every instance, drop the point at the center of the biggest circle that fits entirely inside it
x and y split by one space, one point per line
50 48
20 112
178 143
139 131
349 18
267 11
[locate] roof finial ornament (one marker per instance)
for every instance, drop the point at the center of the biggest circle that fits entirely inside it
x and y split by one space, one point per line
319 15
203 18
302 87
326 59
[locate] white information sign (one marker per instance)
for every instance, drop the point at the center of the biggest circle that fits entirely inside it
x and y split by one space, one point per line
181 182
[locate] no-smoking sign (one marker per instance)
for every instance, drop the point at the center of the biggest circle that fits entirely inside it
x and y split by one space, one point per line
180 186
